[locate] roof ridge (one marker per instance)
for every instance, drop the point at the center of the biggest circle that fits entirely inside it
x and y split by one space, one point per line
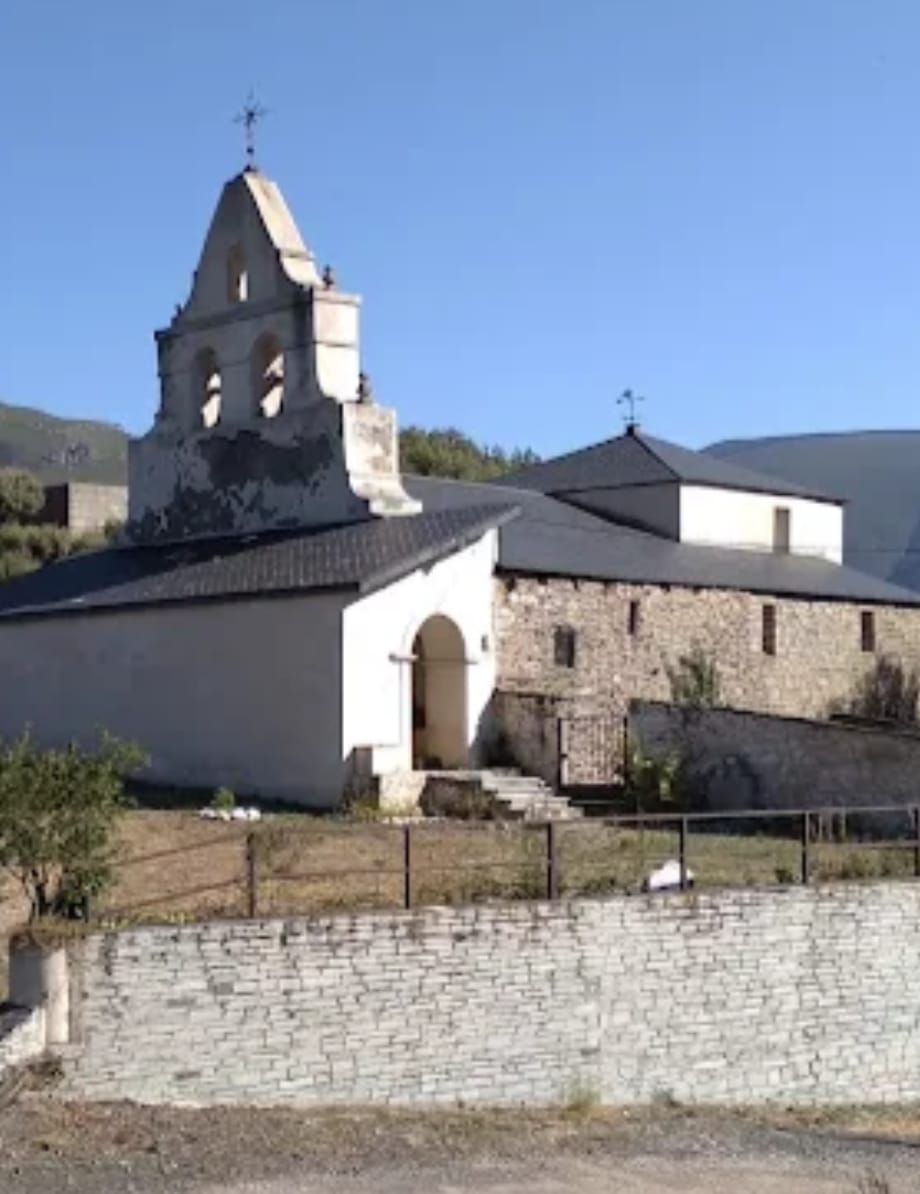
640 438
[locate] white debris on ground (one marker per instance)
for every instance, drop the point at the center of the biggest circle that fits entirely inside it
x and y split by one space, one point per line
667 877
223 814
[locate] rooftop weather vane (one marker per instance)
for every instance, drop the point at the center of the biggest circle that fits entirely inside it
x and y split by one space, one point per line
249 117
629 400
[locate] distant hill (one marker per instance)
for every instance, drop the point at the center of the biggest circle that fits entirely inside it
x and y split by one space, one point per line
62 449
877 472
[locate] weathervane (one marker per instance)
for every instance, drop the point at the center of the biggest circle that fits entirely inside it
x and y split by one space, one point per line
249 117
629 400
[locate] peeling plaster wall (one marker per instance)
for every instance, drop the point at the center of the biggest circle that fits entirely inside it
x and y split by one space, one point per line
246 693
321 465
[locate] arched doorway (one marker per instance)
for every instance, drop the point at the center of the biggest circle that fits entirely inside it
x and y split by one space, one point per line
438 696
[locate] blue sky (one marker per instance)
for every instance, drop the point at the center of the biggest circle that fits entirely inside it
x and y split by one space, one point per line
715 202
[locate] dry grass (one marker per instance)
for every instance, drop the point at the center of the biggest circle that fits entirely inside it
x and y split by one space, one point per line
175 866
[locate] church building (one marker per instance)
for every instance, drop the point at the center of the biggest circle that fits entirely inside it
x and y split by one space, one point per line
288 616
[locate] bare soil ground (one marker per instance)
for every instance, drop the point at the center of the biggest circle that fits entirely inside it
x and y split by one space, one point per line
109 1149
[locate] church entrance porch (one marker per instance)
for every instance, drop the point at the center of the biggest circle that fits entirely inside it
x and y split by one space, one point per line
439 697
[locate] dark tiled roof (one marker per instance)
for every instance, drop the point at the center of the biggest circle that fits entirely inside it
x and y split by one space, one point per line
554 538
878 472
361 556
640 459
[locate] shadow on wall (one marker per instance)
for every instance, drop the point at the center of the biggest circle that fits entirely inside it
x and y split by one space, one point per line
736 760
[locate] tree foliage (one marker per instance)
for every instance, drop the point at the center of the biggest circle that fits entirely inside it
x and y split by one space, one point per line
58 809
24 543
447 452
21 495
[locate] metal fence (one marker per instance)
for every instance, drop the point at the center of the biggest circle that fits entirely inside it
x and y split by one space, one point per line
302 865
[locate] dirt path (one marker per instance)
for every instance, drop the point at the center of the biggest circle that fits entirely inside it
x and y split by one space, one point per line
50 1146
644 1176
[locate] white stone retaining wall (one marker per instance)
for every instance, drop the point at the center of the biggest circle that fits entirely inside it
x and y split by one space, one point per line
801 995
22 1036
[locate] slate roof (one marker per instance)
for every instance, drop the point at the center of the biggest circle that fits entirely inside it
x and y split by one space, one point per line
878 472
639 459
361 556
551 537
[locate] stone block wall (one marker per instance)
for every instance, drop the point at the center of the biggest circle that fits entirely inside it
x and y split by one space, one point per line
626 637
82 507
798 995
742 760
22 1036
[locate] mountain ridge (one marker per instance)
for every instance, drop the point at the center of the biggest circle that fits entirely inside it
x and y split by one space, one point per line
61 449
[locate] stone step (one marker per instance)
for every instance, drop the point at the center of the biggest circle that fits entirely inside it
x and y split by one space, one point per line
546 807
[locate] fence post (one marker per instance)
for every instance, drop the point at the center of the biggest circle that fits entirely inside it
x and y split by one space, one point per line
251 876
916 815
552 867
407 866
806 824
682 852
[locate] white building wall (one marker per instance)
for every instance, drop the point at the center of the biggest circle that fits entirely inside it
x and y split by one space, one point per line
378 632
732 518
245 694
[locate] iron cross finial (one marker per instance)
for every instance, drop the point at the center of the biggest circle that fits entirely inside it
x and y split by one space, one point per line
629 400
249 117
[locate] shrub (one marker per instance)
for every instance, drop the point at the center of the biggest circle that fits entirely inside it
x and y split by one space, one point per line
695 681
21 495
887 692
57 811
223 800
656 780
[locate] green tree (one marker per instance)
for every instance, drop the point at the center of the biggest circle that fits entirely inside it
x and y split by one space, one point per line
447 452
58 810
24 543
21 495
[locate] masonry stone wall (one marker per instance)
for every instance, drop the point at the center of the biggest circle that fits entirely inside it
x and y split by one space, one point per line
83 507
22 1036
798 995
818 659
740 760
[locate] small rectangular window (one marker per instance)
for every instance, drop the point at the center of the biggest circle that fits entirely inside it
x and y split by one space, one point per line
867 630
634 617
769 629
564 646
782 528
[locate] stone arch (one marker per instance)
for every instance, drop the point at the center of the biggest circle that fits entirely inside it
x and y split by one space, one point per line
267 380
237 276
439 696
207 387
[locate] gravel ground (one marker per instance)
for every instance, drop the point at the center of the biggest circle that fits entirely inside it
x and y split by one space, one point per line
48 1146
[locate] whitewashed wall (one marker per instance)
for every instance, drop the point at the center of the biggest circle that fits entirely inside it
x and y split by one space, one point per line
243 693
731 518
378 632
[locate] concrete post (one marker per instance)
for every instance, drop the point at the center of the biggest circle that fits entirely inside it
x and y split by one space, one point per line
39 978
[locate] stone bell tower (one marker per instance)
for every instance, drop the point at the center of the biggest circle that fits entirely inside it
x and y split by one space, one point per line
265 421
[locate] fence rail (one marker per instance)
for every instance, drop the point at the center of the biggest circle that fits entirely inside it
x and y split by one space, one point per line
301 865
